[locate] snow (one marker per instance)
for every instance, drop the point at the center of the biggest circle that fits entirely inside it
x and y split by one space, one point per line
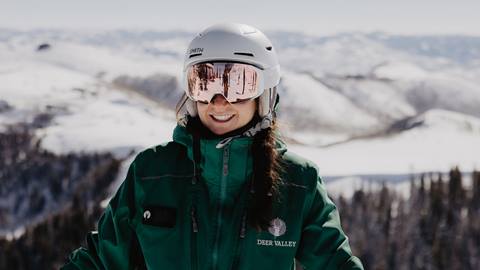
17 233
449 121
443 91
340 55
338 96
313 138
90 114
110 124
376 97
346 186
400 71
330 109
33 84
437 145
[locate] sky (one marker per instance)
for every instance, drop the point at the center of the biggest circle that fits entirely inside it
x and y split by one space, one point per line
313 17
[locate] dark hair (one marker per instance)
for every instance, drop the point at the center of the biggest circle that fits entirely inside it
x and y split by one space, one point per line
267 168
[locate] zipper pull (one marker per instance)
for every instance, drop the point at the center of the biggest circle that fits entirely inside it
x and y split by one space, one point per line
243 228
194 180
195 174
194 220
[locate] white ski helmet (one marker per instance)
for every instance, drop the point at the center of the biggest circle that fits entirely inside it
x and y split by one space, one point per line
236 43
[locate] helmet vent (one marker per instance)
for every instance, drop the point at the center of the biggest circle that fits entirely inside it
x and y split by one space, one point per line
195 54
243 53
269 48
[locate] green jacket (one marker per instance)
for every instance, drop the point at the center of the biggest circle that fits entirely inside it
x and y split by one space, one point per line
162 213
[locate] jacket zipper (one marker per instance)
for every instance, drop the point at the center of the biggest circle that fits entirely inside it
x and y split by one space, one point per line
193 248
223 192
243 229
240 244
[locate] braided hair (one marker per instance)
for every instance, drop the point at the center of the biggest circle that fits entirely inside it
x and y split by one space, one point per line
267 169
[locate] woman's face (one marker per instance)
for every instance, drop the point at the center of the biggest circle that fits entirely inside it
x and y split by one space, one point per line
221 117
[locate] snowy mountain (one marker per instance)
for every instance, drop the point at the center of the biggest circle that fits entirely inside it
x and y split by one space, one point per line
353 102
385 81
433 140
371 110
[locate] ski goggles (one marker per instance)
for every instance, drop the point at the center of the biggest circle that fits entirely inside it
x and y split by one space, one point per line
235 81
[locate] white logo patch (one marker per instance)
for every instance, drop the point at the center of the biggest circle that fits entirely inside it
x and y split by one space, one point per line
277 227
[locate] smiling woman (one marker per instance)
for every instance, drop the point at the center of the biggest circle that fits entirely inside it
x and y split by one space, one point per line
221 117
225 193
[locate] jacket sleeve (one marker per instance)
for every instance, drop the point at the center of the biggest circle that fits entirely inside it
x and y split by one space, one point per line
323 243
109 248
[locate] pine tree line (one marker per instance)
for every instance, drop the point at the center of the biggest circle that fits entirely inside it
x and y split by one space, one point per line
436 227
64 190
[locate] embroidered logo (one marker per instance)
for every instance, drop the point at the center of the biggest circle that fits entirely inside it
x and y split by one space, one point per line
277 227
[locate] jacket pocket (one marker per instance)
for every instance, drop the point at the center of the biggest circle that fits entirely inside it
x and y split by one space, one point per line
160 237
161 216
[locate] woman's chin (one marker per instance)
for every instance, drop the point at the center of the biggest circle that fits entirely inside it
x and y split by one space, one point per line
220 127
220 130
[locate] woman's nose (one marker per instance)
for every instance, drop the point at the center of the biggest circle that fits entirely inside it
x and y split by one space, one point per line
219 100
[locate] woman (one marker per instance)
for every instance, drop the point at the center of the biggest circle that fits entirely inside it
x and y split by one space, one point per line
225 193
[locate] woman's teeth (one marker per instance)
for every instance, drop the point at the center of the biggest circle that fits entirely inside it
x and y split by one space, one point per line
223 117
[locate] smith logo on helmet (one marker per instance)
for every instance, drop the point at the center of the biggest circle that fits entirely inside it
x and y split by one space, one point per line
196 50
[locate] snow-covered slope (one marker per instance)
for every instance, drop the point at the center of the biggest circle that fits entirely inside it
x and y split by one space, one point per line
348 92
83 111
312 106
386 77
434 141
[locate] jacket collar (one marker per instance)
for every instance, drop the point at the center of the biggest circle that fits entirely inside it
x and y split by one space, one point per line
213 163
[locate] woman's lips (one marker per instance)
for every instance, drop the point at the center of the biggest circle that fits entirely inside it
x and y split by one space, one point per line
222 118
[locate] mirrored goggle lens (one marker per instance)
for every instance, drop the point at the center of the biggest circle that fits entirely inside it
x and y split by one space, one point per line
235 81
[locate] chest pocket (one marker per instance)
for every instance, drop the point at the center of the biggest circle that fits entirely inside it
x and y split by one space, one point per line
164 222
160 216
